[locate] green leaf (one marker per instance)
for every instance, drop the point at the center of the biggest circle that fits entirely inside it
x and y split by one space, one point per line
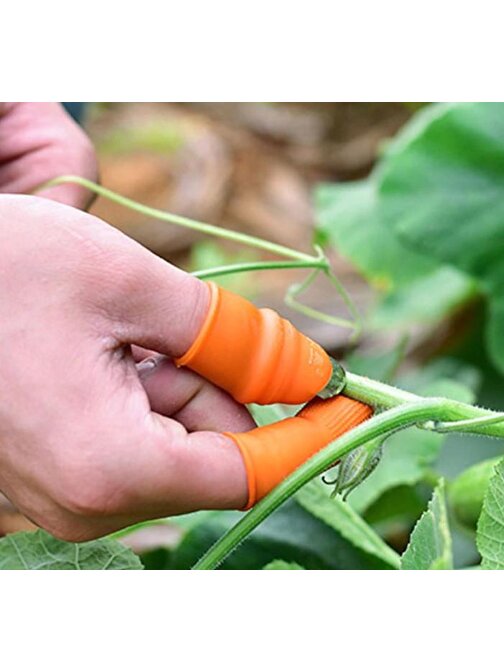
397 509
467 492
39 550
418 287
291 533
430 545
281 564
339 515
427 299
441 190
490 532
495 327
440 187
347 215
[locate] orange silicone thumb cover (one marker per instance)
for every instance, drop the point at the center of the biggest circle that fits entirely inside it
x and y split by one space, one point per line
272 452
254 354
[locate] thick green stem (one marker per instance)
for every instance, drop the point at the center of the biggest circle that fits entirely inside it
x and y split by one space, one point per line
383 424
403 410
376 394
383 396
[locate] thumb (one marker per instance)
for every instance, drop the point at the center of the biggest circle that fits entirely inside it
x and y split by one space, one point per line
252 353
152 303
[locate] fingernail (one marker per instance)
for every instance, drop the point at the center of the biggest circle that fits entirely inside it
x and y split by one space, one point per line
146 367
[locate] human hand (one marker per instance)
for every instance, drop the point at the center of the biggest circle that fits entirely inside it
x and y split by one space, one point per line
40 141
89 443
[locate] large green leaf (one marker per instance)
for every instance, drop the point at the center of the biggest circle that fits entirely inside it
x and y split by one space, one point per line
339 515
291 533
467 492
397 509
39 550
490 534
435 174
495 326
430 545
441 185
347 216
441 190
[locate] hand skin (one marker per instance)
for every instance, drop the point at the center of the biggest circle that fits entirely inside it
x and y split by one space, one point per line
89 441
40 141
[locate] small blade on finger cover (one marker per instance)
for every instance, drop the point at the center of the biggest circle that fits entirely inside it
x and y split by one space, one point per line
336 382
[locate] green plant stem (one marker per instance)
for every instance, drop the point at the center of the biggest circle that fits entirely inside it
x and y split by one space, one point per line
383 424
297 289
463 417
468 425
376 394
331 276
179 220
302 260
245 267
403 410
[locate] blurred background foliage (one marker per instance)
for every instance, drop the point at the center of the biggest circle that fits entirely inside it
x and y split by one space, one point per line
407 200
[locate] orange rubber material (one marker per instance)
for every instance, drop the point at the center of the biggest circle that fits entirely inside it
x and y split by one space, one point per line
254 354
272 452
